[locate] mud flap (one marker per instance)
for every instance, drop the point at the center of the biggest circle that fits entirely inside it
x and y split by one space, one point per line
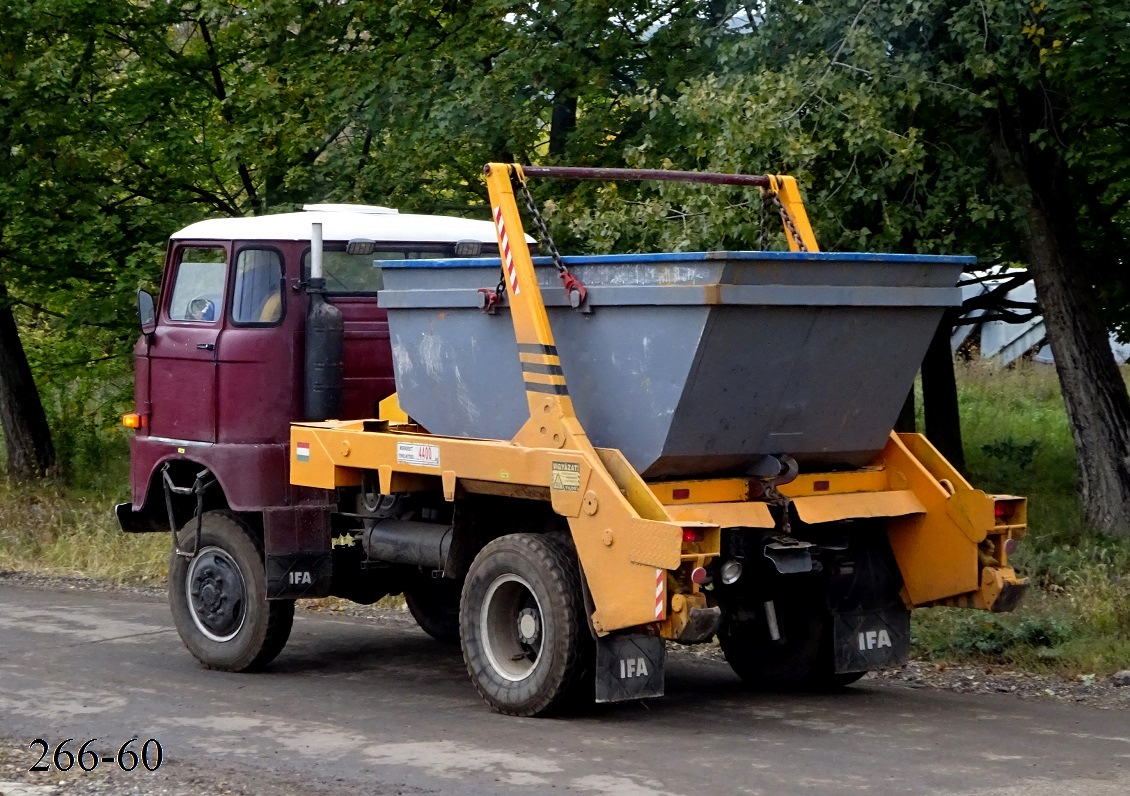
292 576
869 640
629 666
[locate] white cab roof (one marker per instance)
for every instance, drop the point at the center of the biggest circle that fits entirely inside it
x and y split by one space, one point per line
343 223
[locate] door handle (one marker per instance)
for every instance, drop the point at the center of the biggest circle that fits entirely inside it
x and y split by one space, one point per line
206 346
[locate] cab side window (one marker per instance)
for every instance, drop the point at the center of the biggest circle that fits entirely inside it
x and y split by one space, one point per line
198 292
258 295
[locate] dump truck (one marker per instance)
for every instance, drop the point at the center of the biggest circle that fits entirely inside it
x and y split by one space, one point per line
564 464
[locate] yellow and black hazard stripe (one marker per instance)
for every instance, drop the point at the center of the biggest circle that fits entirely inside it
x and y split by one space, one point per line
541 369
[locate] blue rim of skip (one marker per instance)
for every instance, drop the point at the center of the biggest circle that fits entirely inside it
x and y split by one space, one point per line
694 257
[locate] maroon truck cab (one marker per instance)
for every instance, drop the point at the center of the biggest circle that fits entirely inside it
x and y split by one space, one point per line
220 377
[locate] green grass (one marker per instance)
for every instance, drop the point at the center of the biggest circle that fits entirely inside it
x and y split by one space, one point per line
1075 619
68 527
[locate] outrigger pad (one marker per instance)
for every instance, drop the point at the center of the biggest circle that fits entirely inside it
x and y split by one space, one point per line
869 640
629 666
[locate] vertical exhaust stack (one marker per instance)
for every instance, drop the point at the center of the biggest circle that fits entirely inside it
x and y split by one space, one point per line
325 333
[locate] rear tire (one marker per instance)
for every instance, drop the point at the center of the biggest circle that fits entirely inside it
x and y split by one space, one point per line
435 607
803 659
218 598
523 626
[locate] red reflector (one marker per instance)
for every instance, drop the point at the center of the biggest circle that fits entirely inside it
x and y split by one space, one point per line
1010 546
680 494
821 486
692 535
698 575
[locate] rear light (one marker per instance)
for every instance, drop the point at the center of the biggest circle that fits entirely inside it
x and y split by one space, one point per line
133 420
468 248
692 535
1008 510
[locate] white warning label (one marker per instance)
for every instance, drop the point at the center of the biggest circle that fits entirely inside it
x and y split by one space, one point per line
566 477
419 455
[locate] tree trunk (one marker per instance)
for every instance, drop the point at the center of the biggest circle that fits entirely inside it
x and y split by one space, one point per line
27 438
562 124
939 396
1098 408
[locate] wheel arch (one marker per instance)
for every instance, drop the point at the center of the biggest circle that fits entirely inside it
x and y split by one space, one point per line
152 515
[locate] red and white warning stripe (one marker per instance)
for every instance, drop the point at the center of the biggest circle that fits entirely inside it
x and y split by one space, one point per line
660 603
511 274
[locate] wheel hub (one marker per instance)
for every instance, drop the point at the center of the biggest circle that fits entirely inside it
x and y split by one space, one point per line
529 628
216 594
510 624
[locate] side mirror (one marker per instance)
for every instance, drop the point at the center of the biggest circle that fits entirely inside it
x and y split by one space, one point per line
146 312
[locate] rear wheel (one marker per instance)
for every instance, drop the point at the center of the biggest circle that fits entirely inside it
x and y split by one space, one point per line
523 629
435 607
218 597
801 659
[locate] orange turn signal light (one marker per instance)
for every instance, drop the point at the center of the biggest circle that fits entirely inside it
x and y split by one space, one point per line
133 420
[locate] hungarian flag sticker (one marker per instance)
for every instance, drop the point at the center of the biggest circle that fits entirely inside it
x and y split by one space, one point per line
302 451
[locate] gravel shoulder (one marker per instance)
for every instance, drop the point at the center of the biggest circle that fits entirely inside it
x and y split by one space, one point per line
1087 690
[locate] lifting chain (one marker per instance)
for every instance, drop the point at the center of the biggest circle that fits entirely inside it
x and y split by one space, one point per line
573 286
773 497
771 197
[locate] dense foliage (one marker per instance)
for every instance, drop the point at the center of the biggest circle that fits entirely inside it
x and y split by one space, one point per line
933 125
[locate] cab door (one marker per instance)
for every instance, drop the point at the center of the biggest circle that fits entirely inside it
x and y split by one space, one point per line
182 358
259 388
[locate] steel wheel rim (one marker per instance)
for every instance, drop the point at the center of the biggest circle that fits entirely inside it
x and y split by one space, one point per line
216 594
512 627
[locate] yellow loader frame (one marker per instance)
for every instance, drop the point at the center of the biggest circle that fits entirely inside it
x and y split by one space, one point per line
639 542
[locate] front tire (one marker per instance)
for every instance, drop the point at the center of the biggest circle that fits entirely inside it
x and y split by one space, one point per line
218 597
523 628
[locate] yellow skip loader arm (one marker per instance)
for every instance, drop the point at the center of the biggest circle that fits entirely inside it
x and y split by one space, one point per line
626 542
639 542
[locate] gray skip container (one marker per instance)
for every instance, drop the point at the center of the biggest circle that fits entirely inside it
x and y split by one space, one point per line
692 364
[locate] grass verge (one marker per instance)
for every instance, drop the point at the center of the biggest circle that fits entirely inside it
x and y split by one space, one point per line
1075 619
64 531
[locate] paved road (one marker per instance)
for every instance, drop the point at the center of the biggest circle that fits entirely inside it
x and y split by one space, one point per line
358 706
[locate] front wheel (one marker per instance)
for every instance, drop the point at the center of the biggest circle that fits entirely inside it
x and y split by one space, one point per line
523 629
218 597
